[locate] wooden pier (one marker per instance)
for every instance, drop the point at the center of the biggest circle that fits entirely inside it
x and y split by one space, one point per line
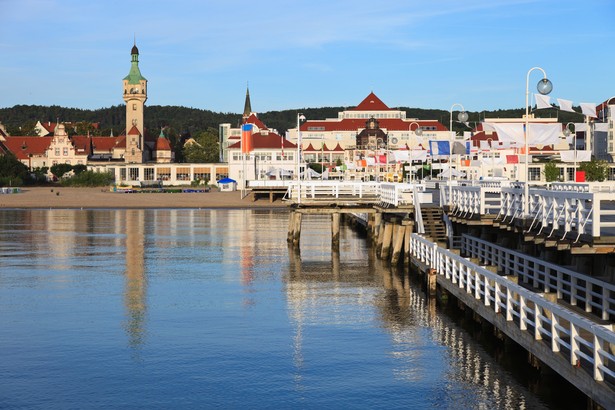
505 266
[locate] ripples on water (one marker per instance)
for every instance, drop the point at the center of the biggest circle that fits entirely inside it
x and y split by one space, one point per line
209 308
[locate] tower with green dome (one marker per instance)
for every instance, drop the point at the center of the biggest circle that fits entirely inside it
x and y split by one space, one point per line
135 95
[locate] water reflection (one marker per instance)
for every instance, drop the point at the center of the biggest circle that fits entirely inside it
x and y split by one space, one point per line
135 291
319 291
219 284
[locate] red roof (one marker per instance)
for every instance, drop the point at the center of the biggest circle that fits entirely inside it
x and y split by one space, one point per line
268 140
49 126
371 103
253 119
354 124
81 144
22 147
106 144
134 131
162 144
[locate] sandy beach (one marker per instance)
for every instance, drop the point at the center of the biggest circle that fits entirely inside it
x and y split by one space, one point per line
66 198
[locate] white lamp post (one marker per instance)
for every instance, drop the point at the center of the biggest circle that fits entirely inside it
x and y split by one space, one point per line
462 117
417 133
567 132
544 87
300 117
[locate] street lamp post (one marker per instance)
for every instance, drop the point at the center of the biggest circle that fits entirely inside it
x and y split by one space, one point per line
462 117
417 133
567 132
300 117
544 87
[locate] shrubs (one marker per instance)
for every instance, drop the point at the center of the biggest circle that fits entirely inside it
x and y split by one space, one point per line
88 179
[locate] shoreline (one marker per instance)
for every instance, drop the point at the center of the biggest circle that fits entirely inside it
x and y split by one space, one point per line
103 198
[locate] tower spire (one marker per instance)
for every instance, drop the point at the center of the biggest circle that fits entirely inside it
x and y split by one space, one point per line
247 108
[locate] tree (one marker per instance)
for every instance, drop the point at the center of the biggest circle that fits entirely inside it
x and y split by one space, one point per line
595 170
12 171
551 172
60 169
205 147
194 152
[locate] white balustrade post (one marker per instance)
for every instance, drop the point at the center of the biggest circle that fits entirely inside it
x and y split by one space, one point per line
537 322
522 313
598 361
574 345
509 305
554 333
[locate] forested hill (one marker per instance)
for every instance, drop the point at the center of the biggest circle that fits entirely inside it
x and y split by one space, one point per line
20 119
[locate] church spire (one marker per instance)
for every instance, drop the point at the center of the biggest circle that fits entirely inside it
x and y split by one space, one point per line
247 108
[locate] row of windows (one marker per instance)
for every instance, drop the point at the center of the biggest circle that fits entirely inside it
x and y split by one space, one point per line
149 174
64 151
267 156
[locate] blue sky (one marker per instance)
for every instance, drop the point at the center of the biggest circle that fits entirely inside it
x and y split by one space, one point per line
297 54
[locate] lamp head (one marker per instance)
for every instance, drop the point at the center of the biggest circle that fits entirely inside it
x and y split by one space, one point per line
463 116
301 117
418 132
544 86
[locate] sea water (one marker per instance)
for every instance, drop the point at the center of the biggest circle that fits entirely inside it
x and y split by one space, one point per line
211 309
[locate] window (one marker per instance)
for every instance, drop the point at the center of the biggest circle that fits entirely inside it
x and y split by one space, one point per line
65 151
164 174
148 174
133 174
534 174
182 174
57 152
134 107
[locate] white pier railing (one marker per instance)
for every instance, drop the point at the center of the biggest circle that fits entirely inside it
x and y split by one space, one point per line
582 342
564 209
333 189
573 287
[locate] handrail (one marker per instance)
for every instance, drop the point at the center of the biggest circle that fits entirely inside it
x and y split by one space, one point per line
574 287
586 343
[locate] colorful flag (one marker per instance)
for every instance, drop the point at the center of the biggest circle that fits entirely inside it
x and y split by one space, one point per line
439 148
246 138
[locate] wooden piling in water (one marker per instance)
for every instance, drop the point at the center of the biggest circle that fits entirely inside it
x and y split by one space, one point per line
400 233
335 230
297 229
386 240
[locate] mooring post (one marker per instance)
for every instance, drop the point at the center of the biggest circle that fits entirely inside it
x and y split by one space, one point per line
386 240
291 227
408 228
335 230
297 229
379 237
399 243
376 226
370 226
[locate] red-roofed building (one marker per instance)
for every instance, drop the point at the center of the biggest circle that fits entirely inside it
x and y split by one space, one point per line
229 135
272 156
369 125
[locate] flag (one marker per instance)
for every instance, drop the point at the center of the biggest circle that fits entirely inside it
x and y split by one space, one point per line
542 101
439 148
588 109
512 159
565 105
246 138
